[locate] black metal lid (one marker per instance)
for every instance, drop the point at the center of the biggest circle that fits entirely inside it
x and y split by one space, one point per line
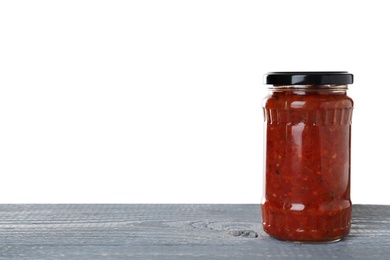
308 78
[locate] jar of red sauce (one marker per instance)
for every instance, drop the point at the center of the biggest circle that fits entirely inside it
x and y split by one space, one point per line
307 156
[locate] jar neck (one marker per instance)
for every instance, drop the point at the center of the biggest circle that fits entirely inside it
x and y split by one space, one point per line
307 89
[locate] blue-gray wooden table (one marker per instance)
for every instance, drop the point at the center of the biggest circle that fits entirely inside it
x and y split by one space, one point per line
179 231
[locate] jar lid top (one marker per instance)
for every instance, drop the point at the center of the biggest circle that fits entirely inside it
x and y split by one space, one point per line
308 78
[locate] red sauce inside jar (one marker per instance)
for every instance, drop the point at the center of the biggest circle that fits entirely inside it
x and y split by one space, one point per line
307 164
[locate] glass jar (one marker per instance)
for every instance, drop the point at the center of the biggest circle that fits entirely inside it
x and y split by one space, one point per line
307 156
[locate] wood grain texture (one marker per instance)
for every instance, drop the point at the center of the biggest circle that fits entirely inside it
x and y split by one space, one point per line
129 231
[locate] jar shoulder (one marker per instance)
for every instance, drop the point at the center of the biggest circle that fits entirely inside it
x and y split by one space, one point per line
307 102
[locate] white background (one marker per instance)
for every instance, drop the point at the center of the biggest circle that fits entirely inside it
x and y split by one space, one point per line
160 101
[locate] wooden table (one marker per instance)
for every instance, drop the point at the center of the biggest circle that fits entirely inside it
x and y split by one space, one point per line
131 231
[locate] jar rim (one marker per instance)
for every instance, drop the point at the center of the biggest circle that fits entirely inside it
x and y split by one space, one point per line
309 87
308 78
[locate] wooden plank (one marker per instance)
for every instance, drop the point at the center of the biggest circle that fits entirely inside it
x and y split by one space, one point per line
173 232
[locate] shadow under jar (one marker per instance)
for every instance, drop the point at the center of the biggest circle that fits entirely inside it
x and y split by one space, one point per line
307 156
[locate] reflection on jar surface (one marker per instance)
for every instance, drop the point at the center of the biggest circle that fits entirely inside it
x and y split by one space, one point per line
307 162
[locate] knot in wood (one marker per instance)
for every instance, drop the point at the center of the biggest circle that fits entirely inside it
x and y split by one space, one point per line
244 233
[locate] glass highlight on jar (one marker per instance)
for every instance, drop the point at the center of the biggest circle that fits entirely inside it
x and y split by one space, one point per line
307 156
